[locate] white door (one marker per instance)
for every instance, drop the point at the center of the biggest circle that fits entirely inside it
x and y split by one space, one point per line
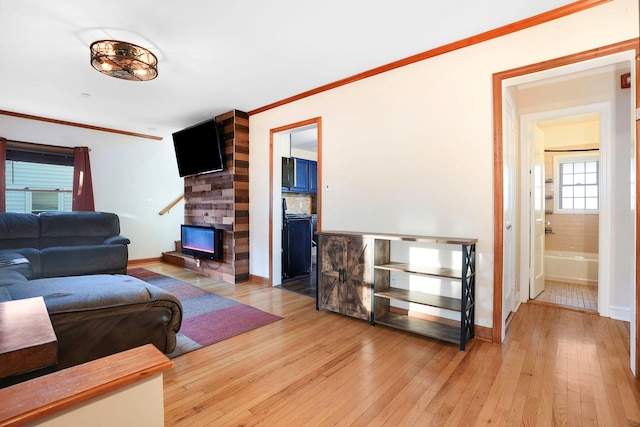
536 283
509 191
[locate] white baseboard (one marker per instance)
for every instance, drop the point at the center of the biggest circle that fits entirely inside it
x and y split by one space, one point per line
576 280
620 313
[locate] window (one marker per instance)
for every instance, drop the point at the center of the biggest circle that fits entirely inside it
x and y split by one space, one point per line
578 181
37 179
46 201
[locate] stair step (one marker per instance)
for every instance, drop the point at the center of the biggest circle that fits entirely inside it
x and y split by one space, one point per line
174 258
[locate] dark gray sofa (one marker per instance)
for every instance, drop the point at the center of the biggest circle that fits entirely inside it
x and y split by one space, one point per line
77 262
64 243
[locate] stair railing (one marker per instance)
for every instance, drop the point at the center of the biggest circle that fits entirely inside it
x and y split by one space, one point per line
171 205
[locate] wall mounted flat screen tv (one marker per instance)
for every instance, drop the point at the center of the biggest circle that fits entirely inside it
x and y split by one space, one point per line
201 241
199 149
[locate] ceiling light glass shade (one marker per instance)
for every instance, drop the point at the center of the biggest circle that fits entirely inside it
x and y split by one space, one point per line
123 60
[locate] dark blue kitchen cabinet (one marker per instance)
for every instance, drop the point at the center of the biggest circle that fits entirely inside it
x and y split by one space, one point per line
303 175
313 177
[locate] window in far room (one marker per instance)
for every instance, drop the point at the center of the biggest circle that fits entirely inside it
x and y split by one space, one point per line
38 180
578 179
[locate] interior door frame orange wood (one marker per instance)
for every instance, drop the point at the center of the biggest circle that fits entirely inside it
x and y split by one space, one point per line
318 122
629 45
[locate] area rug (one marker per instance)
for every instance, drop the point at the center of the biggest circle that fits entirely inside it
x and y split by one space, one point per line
207 317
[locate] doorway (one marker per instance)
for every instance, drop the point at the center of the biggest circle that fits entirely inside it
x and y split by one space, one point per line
621 235
295 210
570 153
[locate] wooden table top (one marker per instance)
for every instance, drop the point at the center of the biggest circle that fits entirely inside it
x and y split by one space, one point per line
27 339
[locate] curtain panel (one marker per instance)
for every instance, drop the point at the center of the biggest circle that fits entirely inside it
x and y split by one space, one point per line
3 175
82 183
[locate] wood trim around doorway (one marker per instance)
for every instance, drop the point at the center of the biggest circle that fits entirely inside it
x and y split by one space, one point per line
629 45
318 122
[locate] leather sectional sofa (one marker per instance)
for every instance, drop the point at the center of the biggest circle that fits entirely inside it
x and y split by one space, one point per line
64 243
77 262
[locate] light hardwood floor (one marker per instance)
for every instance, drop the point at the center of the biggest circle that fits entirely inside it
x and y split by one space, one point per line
556 367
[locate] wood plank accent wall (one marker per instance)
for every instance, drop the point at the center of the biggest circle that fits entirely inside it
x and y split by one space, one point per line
221 199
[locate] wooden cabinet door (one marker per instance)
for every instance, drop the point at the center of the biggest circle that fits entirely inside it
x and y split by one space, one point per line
356 289
329 266
345 275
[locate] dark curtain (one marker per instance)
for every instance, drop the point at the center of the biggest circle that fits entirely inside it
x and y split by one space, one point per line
82 185
3 175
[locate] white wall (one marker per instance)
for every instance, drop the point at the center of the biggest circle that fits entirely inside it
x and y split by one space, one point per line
411 150
132 177
574 134
303 154
137 404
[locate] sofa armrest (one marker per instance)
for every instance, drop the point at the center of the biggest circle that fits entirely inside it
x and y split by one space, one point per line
15 261
116 240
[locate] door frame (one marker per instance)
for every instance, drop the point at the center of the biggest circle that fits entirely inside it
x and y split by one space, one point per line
511 292
632 45
606 149
275 191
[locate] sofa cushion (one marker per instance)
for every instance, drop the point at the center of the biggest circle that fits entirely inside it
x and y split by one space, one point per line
4 295
9 278
82 293
79 260
19 230
77 228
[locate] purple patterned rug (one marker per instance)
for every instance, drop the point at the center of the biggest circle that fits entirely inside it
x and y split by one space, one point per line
207 318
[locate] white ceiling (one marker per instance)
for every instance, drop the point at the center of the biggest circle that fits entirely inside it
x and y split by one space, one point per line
305 138
215 56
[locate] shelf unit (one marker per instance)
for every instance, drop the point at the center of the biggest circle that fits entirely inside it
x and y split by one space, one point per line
383 294
548 204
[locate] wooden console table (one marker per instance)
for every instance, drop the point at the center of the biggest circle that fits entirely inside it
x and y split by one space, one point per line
354 278
27 339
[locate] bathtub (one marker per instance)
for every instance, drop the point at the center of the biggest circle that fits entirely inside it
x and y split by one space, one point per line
572 267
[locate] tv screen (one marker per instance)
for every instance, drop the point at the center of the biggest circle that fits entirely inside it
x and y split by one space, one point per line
199 149
201 241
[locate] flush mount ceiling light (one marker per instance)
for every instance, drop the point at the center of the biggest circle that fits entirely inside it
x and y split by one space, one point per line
123 60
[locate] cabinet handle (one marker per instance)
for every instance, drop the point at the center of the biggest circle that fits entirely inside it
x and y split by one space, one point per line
341 275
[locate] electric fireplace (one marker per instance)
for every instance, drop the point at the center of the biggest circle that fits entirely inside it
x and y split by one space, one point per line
201 241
